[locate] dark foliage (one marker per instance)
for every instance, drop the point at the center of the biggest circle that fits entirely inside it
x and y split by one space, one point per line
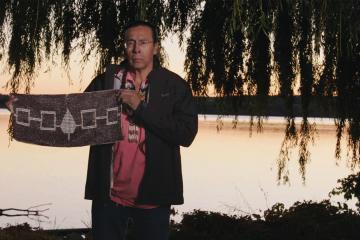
304 220
241 47
349 188
25 232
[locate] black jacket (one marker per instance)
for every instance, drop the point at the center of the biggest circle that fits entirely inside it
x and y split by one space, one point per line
170 121
3 100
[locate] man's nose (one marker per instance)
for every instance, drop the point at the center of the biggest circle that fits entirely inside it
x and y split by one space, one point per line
136 47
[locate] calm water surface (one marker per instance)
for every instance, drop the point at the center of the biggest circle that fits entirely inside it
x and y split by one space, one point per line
228 172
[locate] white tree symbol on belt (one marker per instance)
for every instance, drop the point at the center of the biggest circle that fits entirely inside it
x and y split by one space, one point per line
68 124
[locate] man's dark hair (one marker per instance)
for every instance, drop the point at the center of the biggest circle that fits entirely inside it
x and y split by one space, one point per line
138 23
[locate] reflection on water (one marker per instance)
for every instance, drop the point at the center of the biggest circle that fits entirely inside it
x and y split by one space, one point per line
222 172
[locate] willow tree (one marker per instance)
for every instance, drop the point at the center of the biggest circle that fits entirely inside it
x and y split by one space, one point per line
285 69
242 47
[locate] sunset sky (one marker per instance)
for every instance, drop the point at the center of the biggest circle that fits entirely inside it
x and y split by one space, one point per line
53 79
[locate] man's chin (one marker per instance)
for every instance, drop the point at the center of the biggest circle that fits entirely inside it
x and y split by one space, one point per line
137 66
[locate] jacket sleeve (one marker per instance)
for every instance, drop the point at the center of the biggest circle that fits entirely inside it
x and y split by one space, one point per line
3 100
96 84
179 127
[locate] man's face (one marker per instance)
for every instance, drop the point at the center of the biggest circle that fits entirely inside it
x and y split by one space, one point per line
140 47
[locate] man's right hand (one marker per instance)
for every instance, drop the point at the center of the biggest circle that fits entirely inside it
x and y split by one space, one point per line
9 103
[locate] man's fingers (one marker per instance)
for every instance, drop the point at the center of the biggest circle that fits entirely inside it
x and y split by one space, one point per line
118 97
127 93
10 102
9 105
123 94
13 99
130 98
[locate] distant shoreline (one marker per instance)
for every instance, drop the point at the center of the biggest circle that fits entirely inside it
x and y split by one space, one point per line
319 107
227 123
240 118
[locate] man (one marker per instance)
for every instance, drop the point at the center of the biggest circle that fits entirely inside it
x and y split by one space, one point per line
140 177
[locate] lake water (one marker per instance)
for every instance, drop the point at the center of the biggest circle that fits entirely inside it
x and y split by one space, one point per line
228 172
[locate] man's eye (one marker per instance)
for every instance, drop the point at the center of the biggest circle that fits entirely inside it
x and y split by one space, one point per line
129 43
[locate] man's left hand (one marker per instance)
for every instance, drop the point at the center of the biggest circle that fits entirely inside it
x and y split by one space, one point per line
130 98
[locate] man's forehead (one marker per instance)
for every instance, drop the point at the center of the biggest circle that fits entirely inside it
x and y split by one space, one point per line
139 32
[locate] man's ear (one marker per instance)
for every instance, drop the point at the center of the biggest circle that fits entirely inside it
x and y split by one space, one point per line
156 49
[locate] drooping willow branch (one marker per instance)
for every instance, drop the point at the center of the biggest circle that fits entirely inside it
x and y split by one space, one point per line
240 47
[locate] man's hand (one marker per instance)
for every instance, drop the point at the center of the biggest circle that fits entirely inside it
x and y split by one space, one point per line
130 98
9 103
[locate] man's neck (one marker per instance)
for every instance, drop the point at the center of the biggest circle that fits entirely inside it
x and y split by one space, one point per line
141 74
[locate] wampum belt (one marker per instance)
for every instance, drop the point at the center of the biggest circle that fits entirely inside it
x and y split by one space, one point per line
67 120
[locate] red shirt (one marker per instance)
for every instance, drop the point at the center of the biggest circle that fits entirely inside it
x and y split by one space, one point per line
129 160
